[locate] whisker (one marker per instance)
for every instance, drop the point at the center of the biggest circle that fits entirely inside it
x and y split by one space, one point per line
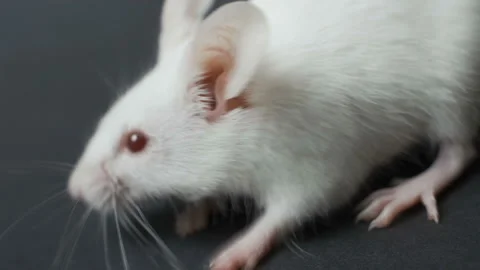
36 163
56 163
17 171
54 168
58 211
122 247
30 211
290 247
26 168
131 227
105 243
138 215
62 242
136 233
296 246
82 223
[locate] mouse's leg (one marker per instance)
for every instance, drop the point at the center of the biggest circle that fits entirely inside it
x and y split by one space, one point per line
195 217
246 251
385 205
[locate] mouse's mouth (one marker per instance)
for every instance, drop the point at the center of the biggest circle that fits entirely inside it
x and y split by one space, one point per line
115 196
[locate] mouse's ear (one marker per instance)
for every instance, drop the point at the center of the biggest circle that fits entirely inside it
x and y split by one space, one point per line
180 21
228 47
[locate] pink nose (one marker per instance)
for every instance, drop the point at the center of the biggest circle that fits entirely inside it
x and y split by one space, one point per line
75 192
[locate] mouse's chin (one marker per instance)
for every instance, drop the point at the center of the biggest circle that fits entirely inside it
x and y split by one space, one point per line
103 207
105 202
114 206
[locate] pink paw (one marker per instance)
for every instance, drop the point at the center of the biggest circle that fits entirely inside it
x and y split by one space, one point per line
234 261
384 205
244 254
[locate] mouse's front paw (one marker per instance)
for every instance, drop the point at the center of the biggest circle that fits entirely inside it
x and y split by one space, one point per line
245 253
235 260
194 218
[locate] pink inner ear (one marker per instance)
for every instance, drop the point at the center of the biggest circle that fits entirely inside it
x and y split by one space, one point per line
214 81
217 68
219 97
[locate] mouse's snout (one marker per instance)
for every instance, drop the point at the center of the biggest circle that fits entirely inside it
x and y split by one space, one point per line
74 192
74 188
89 185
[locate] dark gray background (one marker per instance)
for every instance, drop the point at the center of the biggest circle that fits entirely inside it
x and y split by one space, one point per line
61 63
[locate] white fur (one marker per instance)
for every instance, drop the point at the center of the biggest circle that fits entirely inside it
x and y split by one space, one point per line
342 87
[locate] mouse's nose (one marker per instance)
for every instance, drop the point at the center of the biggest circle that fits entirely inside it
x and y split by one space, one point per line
76 195
75 192
74 188
90 186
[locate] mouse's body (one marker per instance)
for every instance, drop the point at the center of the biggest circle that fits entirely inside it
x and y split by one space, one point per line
293 105
356 89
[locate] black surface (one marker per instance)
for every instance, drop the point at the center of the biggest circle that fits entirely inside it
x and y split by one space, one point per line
61 63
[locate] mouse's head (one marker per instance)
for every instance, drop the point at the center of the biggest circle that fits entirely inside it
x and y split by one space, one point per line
170 134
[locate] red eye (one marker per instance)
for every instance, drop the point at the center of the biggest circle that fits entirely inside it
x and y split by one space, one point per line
136 141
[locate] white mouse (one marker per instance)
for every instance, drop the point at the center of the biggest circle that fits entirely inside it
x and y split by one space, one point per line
292 103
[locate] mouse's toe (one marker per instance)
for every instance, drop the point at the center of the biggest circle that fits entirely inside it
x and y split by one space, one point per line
384 206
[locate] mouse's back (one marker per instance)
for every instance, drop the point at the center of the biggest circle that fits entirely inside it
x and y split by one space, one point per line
373 51
397 38
379 74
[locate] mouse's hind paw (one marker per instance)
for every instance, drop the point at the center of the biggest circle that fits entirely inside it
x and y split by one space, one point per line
383 206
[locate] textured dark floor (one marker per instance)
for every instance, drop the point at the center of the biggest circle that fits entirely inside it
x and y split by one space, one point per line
61 63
